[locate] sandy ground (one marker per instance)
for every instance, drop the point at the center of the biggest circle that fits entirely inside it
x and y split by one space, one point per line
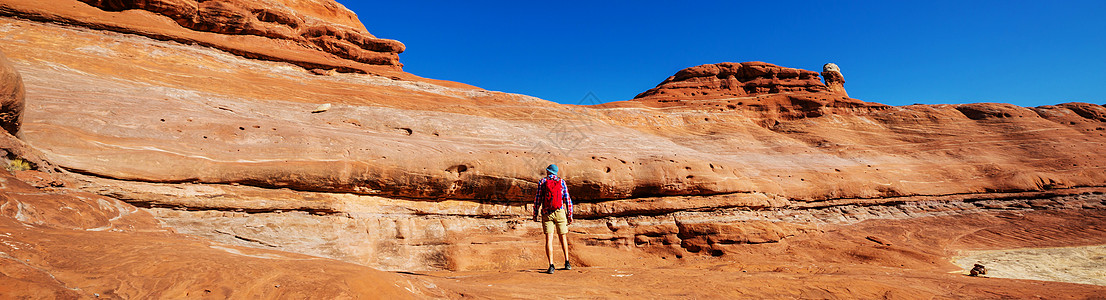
1084 265
728 280
916 260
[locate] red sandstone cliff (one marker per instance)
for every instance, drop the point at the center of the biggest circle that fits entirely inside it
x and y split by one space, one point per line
201 114
412 139
715 81
314 34
730 128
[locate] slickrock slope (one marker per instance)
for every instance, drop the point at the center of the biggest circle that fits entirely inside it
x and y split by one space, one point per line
57 242
216 128
152 111
162 112
875 259
60 243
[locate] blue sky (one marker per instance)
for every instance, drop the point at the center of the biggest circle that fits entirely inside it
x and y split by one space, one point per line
1027 53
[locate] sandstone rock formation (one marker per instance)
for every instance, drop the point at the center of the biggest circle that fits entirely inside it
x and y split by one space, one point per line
59 243
432 142
834 80
11 97
337 31
315 34
205 122
716 81
64 243
195 117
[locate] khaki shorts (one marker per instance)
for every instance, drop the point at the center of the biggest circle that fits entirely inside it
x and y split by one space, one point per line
557 218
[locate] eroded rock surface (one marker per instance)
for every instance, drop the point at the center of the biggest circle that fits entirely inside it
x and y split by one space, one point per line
316 34
62 243
727 79
834 80
161 112
11 97
335 30
211 121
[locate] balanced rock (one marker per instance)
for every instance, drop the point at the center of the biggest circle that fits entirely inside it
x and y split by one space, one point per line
834 80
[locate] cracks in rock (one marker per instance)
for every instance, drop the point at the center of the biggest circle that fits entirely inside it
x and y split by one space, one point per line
315 211
478 216
247 239
44 271
722 206
1000 195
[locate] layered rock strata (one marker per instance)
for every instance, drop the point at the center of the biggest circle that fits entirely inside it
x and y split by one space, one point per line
411 235
210 123
337 31
722 80
59 243
320 34
403 173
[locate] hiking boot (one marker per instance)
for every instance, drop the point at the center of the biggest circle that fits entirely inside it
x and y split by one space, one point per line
551 269
568 266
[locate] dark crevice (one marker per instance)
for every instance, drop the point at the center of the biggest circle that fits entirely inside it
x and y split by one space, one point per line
161 37
246 239
802 204
150 204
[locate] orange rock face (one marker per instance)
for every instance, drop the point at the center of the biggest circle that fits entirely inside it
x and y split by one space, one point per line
334 29
158 112
722 80
228 122
314 34
11 97
59 243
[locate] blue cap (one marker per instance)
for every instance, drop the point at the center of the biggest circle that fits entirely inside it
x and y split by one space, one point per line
552 169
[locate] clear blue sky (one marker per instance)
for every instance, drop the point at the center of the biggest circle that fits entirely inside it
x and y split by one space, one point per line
1027 53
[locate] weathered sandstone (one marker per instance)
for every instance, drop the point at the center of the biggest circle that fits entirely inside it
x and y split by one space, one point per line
61 243
11 96
416 140
834 80
337 31
716 81
270 147
316 34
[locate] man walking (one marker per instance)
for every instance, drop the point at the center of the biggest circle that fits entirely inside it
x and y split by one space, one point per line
554 207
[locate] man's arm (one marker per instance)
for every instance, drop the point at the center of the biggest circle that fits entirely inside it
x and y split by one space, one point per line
537 199
566 199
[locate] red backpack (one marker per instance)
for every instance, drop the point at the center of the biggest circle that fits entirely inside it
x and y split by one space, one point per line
551 193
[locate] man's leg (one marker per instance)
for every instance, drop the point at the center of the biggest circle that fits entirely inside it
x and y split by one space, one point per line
564 246
548 226
562 231
549 247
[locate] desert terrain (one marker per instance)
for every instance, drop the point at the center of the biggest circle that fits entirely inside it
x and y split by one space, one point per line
277 149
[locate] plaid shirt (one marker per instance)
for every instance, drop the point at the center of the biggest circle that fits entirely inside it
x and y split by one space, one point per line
564 197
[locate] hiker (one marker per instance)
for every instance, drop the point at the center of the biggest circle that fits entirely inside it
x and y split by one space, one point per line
555 208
